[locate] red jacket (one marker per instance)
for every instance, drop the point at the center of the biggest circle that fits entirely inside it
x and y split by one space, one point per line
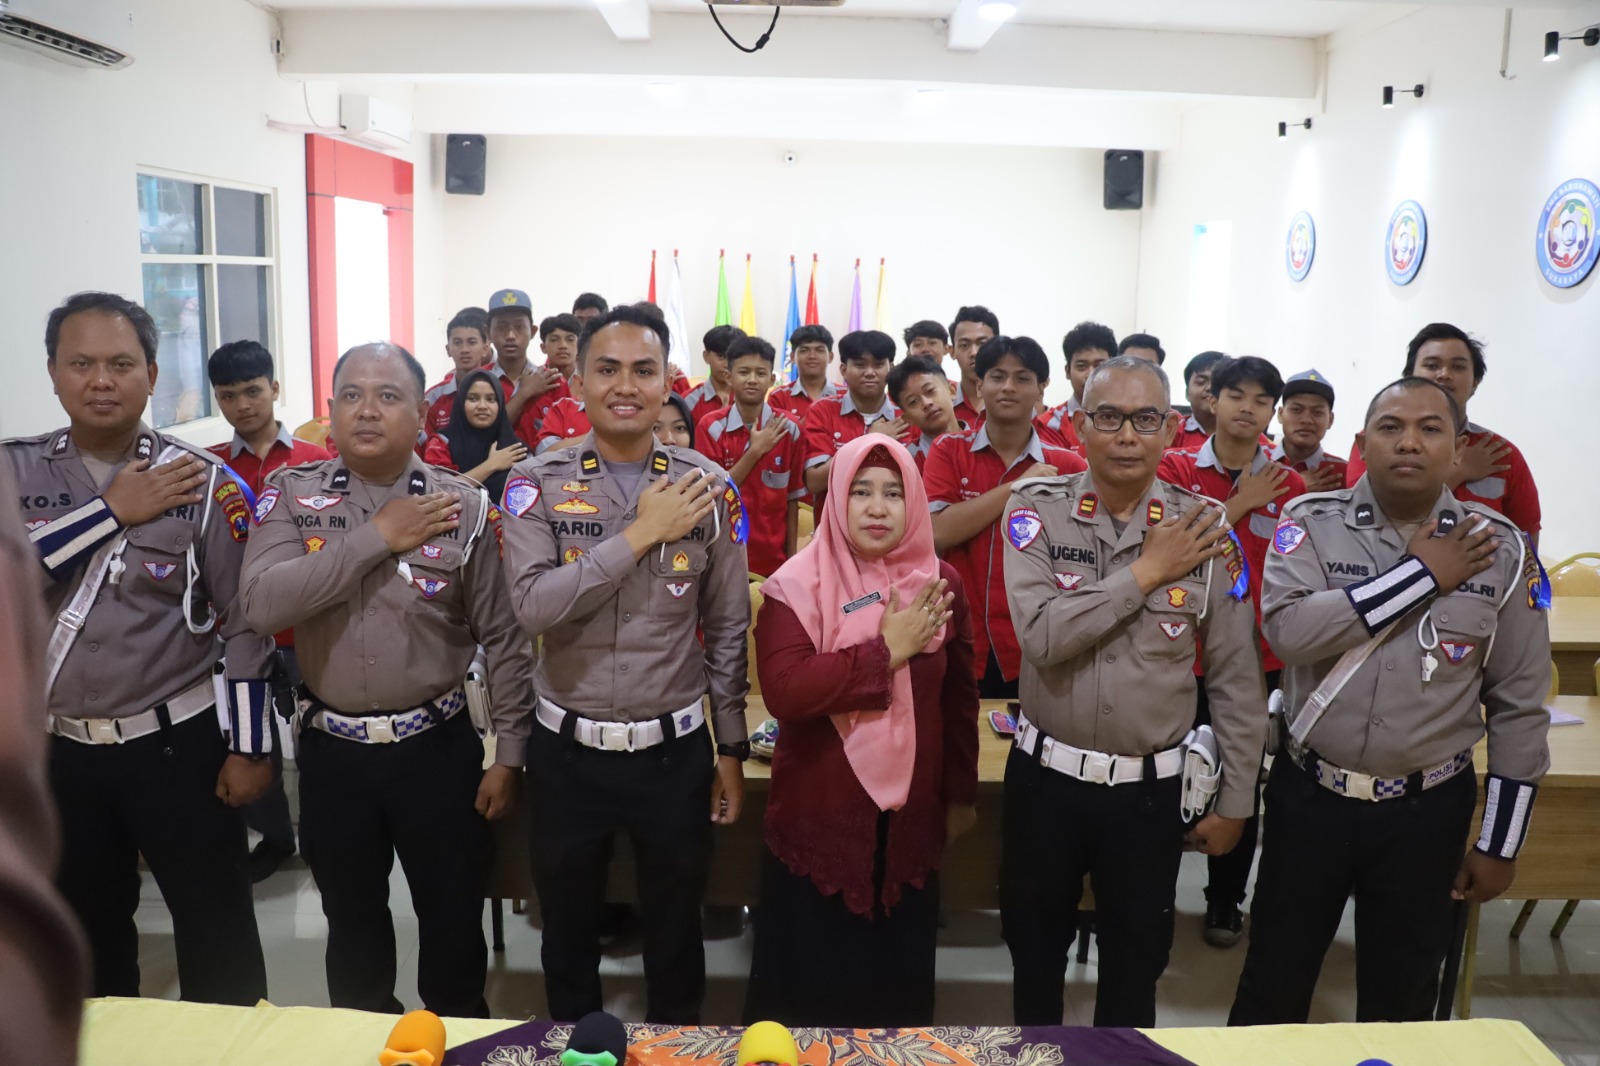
1056 429
961 467
723 437
794 401
820 821
1512 493
565 421
1199 471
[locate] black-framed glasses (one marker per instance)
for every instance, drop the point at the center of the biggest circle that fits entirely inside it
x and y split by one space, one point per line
1109 420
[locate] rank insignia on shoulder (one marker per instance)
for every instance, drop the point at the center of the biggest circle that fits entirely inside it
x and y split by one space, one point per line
1447 522
1088 506
145 450
341 480
1154 513
1365 515
659 463
589 463
418 485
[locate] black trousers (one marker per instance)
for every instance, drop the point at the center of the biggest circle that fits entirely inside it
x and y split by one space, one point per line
1398 858
269 815
1128 839
659 797
818 963
360 806
993 684
156 797
1228 874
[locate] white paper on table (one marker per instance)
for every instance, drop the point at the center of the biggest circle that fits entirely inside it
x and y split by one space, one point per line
1562 717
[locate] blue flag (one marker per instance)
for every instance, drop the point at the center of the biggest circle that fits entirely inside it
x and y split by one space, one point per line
789 371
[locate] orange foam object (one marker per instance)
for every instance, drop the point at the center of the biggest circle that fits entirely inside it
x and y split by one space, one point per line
417 1039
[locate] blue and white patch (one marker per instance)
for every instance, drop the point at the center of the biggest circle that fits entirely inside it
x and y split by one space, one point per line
431 551
521 495
265 503
1288 537
430 586
1023 527
161 571
1456 651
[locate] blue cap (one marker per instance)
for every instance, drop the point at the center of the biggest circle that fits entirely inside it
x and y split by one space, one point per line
505 298
1311 381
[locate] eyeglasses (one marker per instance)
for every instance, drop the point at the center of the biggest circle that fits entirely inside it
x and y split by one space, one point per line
1109 420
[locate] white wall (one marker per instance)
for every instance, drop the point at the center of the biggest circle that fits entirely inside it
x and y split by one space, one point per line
1481 154
195 101
1019 229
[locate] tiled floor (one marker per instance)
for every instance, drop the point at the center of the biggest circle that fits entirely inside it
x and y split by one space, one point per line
1552 986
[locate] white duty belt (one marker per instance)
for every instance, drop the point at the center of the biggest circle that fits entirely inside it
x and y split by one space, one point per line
620 736
185 705
1095 767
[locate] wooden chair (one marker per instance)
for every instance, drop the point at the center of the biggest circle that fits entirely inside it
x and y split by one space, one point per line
756 600
1577 576
314 432
807 526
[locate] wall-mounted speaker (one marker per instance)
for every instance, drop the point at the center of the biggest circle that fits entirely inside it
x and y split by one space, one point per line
1124 185
465 159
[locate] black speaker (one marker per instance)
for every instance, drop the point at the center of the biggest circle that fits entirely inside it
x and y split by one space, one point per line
1124 180
465 158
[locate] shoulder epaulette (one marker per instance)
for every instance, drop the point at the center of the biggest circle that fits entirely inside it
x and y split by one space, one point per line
1319 502
1059 487
25 441
1474 507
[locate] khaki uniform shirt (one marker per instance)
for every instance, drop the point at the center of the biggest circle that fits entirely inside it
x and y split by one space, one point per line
377 632
135 650
1336 550
618 635
1108 669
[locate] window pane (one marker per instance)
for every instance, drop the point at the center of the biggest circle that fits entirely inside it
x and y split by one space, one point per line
169 216
241 222
175 295
242 303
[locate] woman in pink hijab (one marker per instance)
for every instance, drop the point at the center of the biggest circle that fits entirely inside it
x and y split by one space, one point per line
864 647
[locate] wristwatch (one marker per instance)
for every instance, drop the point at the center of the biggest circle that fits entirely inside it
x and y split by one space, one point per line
740 751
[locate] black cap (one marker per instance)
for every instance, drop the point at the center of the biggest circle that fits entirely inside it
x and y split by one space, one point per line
1310 381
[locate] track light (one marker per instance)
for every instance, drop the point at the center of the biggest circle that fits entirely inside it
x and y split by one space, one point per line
996 10
1389 91
1283 127
1552 41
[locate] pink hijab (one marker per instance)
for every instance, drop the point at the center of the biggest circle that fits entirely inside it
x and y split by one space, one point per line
819 581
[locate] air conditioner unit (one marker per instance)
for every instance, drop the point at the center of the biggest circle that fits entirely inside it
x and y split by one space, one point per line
85 33
374 122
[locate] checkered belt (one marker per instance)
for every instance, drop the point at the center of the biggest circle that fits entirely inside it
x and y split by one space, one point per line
1344 782
1095 767
620 736
180 708
388 728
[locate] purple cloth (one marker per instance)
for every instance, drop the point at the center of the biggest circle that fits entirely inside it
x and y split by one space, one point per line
541 1044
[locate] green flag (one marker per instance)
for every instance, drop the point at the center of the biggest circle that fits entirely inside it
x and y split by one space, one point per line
724 316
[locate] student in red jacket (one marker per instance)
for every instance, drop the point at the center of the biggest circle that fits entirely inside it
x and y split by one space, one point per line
1233 466
926 399
1086 346
864 649
1491 470
865 358
812 348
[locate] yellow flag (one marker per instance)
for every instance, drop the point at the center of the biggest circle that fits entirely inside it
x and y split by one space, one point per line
747 311
880 317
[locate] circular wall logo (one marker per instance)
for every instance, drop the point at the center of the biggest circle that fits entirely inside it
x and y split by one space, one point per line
1301 247
1405 242
1567 249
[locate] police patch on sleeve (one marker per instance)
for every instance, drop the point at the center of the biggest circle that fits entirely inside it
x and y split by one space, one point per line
1022 527
1288 537
521 495
265 503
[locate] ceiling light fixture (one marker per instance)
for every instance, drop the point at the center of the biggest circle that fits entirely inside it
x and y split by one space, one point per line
1283 127
996 10
1389 91
1552 41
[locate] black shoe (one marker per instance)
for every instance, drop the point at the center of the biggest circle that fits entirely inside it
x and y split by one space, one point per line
1224 925
265 860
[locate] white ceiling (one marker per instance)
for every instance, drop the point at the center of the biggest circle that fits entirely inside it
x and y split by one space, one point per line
1274 18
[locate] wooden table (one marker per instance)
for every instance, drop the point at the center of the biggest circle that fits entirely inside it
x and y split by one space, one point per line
1575 642
969 878
1561 858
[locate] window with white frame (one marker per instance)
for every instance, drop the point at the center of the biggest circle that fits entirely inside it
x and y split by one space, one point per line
208 256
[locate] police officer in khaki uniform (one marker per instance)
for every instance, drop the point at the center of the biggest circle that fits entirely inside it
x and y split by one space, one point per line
141 537
617 550
1115 579
1428 611
389 572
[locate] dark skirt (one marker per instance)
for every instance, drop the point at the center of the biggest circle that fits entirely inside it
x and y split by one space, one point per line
816 963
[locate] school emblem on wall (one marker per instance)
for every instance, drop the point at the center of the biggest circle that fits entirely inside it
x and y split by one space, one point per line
1566 238
1405 242
1301 246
